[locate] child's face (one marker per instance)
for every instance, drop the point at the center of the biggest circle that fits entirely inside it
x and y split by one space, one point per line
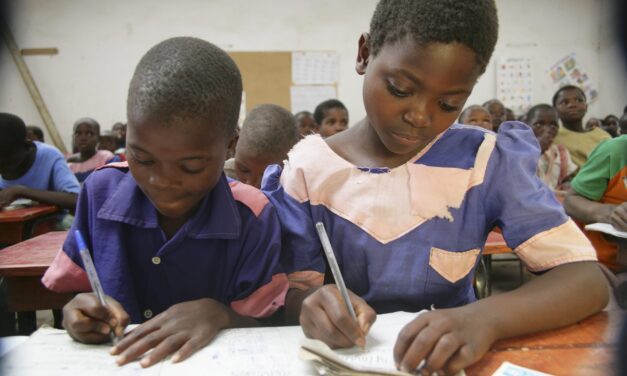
306 125
412 93
498 113
32 136
335 121
250 167
571 105
479 117
120 131
176 164
108 142
545 127
85 138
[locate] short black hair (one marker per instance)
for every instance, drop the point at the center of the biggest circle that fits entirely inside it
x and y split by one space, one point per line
302 114
468 110
38 132
12 133
493 100
88 121
473 23
269 130
568 87
533 110
323 107
186 78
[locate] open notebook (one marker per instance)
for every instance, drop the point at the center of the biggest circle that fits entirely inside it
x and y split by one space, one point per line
248 351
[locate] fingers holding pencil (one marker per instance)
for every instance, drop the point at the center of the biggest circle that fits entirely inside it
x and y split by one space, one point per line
88 321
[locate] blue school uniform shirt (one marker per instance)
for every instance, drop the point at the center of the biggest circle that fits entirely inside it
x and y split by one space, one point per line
228 251
410 237
49 172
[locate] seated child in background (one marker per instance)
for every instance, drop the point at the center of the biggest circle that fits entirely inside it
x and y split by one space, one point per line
555 166
571 106
267 134
622 123
34 133
610 125
509 114
177 247
593 123
31 169
120 132
599 194
88 158
331 117
306 123
496 108
109 141
476 115
408 198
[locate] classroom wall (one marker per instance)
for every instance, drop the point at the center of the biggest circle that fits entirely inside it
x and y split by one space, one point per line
100 42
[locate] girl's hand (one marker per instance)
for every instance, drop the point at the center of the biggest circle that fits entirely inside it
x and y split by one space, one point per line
87 321
618 217
181 330
448 340
324 316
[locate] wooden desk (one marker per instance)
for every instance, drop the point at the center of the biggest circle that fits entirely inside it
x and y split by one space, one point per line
23 264
585 348
495 245
15 225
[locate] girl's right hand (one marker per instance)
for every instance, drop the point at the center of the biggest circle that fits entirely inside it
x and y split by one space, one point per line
324 316
87 321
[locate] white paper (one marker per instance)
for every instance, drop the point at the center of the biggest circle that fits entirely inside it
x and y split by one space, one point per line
510 369
307 97
314 67
606 228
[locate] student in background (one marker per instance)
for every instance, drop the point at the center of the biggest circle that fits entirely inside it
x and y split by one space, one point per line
509 114
622 123
555 166
476 115
599 194
570 102
88 158
593 123
120 131
306 123
268 133
34 133
496 108
610 125
408 198
331 117
109 141
31 169
178 248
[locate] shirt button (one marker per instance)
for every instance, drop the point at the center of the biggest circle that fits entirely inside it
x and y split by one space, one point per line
147 313
156 260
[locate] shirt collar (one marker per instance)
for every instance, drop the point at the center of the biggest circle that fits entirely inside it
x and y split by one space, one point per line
217 216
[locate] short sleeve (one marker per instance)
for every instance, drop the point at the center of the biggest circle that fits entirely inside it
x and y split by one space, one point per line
63 180
533 222
594 176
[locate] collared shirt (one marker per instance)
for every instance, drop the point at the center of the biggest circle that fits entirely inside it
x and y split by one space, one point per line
228 250
580 144
410 237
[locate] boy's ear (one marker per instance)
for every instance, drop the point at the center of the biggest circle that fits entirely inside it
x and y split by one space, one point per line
363 53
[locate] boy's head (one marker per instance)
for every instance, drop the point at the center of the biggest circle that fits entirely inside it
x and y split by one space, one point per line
420 61
119 130
476 115
182 109
622 123
86 134
570 102
610 125
267 134
497 111
108 141
509 114
593 123
306 123
13 143
542 118
331 117
34 133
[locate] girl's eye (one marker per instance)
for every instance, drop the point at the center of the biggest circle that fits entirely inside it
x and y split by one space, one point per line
141 162
447 107
397 92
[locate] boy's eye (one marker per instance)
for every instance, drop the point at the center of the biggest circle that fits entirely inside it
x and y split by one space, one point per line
396 91
142 162
447 107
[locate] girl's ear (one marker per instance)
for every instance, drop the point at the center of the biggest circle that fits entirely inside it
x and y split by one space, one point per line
363 53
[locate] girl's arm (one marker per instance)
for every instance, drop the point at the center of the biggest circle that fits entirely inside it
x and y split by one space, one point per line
587 211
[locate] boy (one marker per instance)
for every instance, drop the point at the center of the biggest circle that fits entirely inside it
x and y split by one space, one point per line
30 169
571 106
34 133
306 123
268 133
476 115
120 132
177 247
408 197
497 111
331 117
88 158
108 141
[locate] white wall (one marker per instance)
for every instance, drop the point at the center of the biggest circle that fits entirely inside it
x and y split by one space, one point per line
100 42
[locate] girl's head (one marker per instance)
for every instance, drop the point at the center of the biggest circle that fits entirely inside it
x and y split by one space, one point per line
86 135
183 106
420 61
542 118
570 103
108 141
610 125
331 117
476 115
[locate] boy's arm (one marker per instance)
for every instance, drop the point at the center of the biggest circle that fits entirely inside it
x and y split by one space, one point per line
586 210
64 200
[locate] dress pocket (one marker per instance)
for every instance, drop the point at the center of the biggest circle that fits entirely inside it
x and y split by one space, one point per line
453 266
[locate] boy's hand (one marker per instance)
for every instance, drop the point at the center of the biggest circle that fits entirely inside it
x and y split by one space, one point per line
448 340
8 195
618 217
87 321
183 328
324 316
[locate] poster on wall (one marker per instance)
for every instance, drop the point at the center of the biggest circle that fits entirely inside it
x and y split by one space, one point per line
514 83
315 67
307 97
568 71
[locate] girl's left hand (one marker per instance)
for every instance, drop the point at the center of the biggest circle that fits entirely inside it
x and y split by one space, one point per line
447 339
182 329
